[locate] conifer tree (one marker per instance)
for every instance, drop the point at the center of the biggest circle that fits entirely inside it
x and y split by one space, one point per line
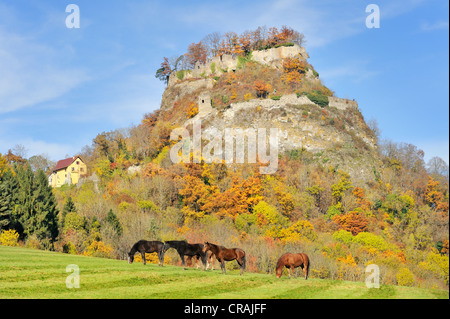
69 207
47 212
114 221
8 186
36 206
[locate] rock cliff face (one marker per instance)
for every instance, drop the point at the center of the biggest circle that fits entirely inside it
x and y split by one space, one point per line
336 134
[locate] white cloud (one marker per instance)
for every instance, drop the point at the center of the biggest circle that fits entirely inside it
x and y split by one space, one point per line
356 71
438 25
54 151
30 75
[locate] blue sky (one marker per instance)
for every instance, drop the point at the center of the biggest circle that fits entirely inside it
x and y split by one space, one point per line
60 87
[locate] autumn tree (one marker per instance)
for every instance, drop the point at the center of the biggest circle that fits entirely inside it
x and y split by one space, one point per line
293 69
353 222
262 88
434 197
196 53
212 43
164 71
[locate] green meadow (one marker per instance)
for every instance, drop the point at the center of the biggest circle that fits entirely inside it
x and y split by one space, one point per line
29 273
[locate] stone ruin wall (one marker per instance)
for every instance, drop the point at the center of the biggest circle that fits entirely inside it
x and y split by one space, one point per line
273 57
227 62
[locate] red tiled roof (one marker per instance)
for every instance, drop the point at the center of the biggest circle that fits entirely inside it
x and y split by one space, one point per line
64 163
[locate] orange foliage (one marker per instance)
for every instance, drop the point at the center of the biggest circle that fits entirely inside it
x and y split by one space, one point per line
353 222
262 88
361 200
193 110
435 197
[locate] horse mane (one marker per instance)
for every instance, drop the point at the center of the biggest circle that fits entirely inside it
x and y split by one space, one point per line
280 261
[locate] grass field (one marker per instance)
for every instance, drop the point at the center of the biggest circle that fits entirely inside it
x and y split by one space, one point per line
28 273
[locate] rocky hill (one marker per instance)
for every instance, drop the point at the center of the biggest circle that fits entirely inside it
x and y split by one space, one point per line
221 94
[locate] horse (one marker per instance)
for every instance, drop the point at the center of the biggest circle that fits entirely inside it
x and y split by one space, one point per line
292 261
145 246
209 260
185 249
226 254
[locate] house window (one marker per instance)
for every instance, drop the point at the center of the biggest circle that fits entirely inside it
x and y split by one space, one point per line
203 101
81 169
78 162
73 169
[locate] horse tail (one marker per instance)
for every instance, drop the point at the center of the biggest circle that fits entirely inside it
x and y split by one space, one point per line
307 267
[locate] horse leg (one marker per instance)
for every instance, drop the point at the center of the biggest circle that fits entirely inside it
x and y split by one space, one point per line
241 263
203 259
183 262
222 266
305 269
293 271
143 257
210 261
161 258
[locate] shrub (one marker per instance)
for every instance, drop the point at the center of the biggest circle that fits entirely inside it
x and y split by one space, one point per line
405 277
371 240
262 88
9 238
276 97
147 205
69 248
343 236
334 210
180 74
98 249
318 98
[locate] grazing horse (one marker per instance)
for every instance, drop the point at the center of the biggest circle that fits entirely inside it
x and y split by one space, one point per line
292 261
226 254
185 249
145 246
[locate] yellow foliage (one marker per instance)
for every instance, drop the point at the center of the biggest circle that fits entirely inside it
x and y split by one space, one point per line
405 277
302 229
192 110
152 258
248 96
437 264
9 238
98 249
349 260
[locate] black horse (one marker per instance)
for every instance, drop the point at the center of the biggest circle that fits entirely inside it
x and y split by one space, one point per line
185 249
145 246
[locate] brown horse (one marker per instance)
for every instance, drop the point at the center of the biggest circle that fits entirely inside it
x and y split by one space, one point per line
291 261
226 254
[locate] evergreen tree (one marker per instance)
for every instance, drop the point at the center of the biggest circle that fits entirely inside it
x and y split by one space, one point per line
8 186
114 221
25 208
47 212
69 207
36 205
